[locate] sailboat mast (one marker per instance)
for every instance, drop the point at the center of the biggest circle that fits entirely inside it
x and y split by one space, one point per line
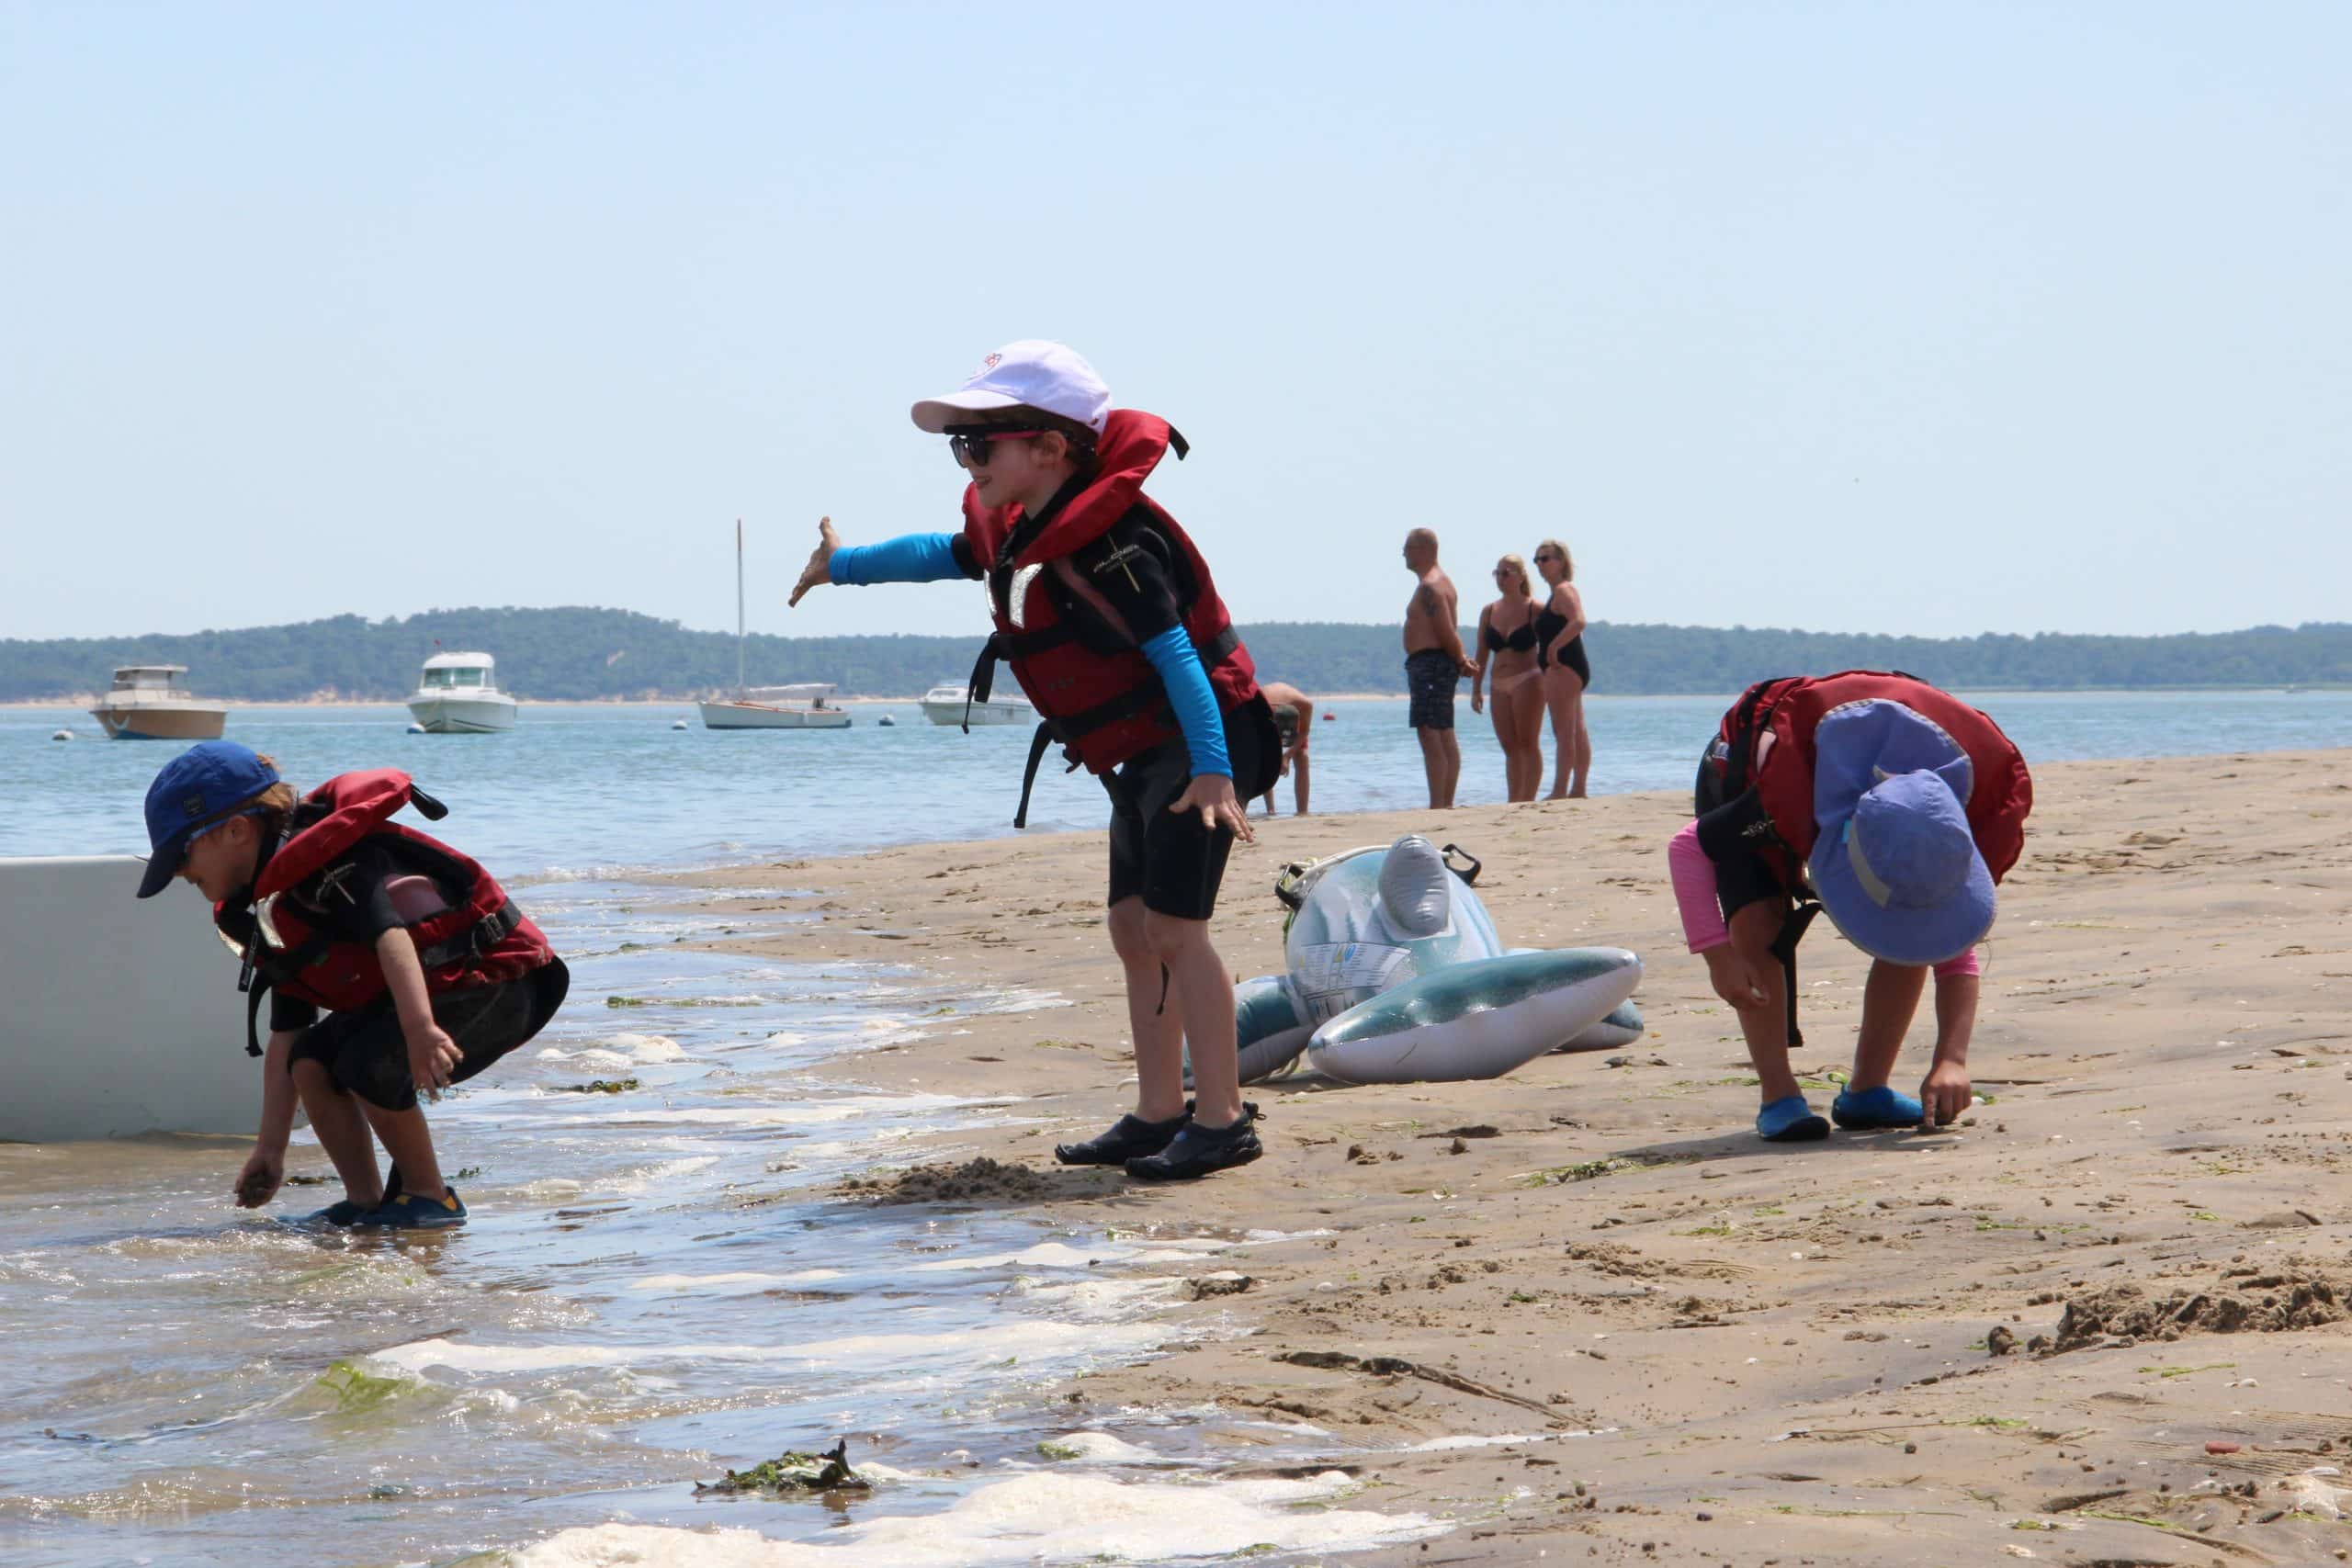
738 609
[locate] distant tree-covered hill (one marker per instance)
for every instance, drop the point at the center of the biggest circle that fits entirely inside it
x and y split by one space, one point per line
581 654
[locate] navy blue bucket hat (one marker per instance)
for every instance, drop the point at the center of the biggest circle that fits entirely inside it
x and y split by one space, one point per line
202 785
1894 861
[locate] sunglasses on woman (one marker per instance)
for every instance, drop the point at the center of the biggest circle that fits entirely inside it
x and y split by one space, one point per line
970 447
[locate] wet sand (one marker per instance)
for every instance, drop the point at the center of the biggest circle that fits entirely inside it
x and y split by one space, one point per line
1630 1332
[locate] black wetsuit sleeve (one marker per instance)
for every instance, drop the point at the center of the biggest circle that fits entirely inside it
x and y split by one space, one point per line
1131 566
966 562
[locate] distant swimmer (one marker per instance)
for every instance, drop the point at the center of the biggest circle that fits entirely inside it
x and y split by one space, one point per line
1295 720
1559 631
426 971
1113 625
1891 805
1434 665
1507 637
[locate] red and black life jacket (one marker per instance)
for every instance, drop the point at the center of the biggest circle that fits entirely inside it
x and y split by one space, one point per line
481 939
1791 710
1092 688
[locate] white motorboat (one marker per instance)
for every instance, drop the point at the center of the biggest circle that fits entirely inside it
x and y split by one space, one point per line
798 706
150 702
456 694
944 704
123 1013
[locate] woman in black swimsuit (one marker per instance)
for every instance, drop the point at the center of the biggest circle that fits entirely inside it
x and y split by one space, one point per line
1559 630
1507 635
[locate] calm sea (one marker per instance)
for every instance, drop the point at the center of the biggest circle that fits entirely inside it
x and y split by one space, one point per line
589 789
666 1281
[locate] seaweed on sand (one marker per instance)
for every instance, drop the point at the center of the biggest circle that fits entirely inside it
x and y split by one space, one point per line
794 1472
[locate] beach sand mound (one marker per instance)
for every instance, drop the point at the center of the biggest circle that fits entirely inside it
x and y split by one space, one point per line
2297 1295
981 1181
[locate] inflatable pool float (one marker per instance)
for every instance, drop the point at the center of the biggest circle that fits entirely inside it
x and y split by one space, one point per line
1395 974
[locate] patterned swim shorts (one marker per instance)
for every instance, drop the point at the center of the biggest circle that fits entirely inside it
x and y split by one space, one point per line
1433 677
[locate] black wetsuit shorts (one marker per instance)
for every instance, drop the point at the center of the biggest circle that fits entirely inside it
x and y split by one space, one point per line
1170 859
365 1052
1740 879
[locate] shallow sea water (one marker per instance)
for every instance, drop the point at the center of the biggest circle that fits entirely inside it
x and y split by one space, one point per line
658 1285
599 789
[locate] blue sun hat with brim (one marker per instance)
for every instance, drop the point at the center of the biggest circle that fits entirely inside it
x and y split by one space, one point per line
202 785
1894 863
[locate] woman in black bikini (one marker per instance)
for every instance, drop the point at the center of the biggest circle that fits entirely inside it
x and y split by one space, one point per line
1508 634
1559 631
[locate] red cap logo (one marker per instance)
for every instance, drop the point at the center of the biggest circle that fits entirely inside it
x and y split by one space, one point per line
991 363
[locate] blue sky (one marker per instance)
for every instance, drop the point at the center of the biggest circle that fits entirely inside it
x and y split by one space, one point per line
1921 318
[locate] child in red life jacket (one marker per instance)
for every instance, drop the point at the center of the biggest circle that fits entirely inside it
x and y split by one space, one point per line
427 972
1114 627
1898 807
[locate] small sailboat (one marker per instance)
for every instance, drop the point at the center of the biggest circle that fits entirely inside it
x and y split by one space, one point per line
801 706
456 694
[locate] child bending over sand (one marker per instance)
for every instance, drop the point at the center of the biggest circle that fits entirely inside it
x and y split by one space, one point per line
427 972
1891 805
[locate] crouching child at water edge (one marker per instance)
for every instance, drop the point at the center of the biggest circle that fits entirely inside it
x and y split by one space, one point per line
1896 808
426 972
1112 623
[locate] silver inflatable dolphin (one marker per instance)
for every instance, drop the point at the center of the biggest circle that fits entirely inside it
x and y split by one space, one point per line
1395 974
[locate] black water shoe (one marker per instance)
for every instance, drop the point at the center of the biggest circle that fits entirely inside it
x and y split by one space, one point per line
1198 1150
1129 1137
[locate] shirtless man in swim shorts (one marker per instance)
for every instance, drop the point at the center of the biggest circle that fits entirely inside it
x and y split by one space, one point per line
1294 719
1434 665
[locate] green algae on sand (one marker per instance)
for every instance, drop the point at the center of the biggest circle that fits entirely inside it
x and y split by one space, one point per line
794 1472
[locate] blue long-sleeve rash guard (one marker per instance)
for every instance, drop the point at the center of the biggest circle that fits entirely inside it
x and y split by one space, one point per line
909 557
1179 663
933 557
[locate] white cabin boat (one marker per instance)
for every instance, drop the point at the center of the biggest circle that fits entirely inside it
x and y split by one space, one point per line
797 707
150 702
800 706
123 1013
456 694
944 704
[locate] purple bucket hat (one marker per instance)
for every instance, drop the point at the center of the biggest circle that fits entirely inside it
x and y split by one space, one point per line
1894 863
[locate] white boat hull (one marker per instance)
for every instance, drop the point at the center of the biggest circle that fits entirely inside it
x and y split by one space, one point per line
123 1013
162 721
462 715
996 710
760 716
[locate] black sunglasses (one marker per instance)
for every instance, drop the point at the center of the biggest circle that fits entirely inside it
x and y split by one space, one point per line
970 447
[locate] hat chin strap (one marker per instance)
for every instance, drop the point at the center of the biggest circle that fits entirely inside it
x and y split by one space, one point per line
1880 893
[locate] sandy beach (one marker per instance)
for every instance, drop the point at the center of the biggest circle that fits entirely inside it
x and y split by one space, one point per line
1626 1330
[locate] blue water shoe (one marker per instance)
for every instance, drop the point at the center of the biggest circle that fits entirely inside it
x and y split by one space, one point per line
1790 1121
1875 1109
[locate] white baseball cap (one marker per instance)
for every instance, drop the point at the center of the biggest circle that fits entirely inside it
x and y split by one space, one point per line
1031 373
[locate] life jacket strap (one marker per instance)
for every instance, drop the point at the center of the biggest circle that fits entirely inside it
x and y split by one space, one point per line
1041 738
254 994
475 939
1784 948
